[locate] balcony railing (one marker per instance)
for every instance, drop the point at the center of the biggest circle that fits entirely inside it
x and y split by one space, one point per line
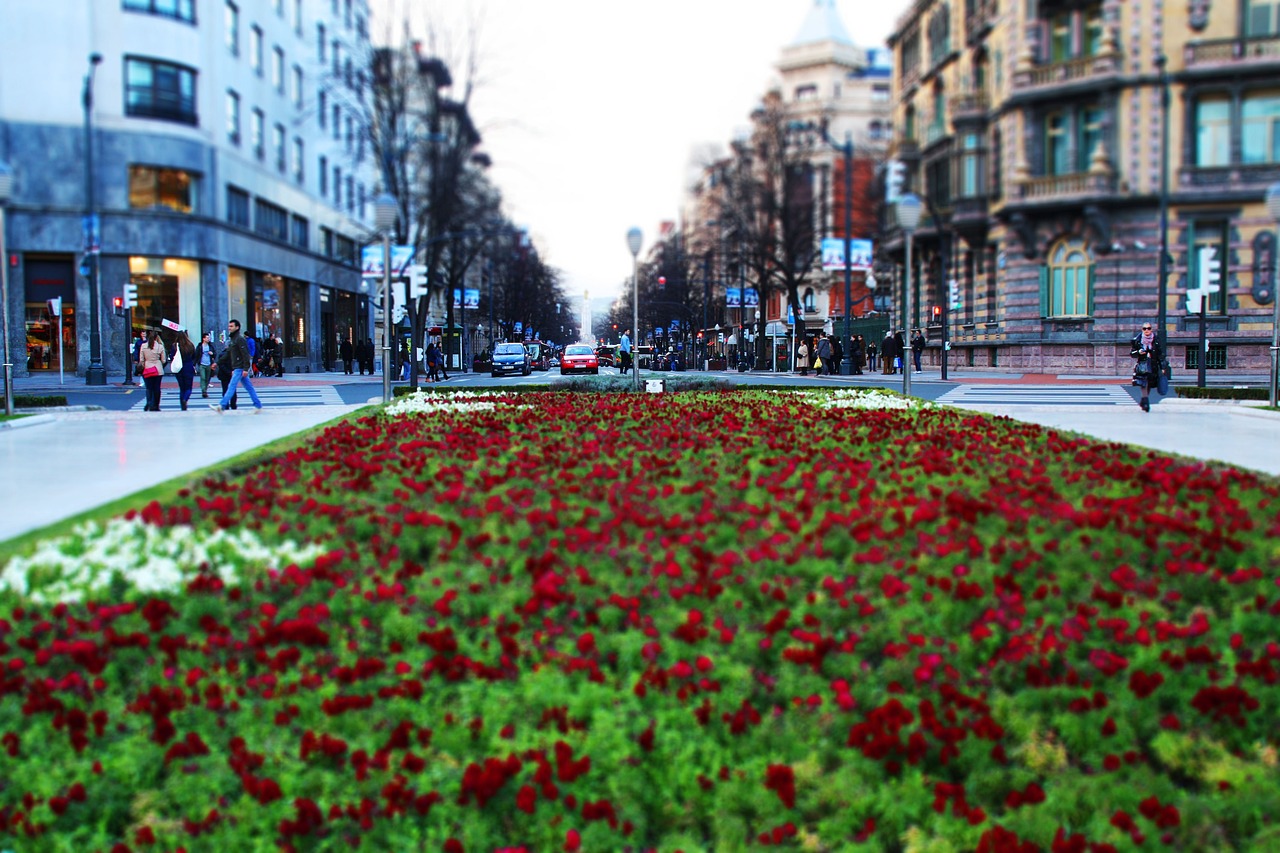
980 20
1079 70
1051 187
969 105
1217 51
935 132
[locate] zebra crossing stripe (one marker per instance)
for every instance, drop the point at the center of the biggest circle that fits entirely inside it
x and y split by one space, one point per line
1012 395
282 398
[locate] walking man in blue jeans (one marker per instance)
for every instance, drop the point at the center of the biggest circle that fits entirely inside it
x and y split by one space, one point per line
240 362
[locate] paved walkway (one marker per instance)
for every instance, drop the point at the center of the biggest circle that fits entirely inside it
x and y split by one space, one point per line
73 461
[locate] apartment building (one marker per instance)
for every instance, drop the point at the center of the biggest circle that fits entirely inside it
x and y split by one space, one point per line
209 152
1058 144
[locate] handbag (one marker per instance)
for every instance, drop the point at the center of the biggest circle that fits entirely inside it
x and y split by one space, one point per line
176 364
151 370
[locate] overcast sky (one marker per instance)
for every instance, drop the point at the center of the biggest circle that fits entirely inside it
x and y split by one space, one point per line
593 110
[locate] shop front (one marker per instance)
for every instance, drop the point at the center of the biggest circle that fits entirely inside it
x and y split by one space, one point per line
168 295
49 347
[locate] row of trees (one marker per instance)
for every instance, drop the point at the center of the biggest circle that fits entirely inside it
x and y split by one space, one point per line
426 148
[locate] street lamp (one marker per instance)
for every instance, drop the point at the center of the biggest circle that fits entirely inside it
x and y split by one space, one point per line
385 211
908 212
635 237
1162 287
97 373
6 191
1273 210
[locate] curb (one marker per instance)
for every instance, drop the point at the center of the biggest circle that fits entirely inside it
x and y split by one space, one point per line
22 423
43 409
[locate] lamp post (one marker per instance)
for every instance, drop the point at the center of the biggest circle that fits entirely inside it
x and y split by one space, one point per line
1273 210
908 211
6 191
385 211
97 373
1162 287
635 238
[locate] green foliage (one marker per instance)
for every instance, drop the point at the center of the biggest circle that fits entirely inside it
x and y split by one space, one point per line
34 401
1218 392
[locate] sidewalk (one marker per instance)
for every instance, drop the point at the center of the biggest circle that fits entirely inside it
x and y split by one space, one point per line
74 461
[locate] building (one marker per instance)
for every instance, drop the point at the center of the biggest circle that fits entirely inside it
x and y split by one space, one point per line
210 152
825 81
1051 140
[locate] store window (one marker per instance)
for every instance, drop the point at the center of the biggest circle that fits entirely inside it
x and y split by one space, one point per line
49 279
1066 283
295 341
157 302
268 313
153 187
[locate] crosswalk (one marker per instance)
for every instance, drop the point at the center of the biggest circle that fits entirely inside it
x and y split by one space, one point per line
277 397
978 396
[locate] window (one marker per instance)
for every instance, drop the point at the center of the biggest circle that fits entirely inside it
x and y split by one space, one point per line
810 301
323 111
351 133
257 134
326 242
296 86
337 59
160 90
300 232
271 221
277 69
278 6
296 165
231 20
323 173
345 250
277 146
151 187
297 17
1209 240
347 69
909 123
237 206
807 93
972 167
233 117
346 13
337 123
1071 136
255 49
1262 18
1057 160
1066 284
351 194
337 187
1213 131
1216 358
879 93
360 204
322 45
1090 136
1260 116
181 10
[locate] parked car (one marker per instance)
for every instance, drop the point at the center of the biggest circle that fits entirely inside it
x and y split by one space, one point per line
510 358
579 358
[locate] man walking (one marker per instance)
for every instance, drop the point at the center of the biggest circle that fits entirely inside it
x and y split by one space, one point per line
624 352
241 362
917 349
347 354
824 355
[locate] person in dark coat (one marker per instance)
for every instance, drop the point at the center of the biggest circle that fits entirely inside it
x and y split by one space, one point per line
824 355
224 374
347 354
187 373
837 356
1149 361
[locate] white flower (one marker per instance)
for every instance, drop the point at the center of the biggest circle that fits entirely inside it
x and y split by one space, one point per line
426 404
857 398
149 559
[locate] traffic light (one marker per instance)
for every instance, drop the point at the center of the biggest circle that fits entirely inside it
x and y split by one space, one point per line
953 291
662 282
1207 277
417 281
895 176
117 305
937 312
130 295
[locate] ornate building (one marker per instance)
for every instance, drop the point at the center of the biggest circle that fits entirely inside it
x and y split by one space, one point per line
1048 137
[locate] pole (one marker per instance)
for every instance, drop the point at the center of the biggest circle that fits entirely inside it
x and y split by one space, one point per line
4 295
386 316
96 374
1204 344
906 321
847 368
128 346
635 320
1275 343
62 379
1163 284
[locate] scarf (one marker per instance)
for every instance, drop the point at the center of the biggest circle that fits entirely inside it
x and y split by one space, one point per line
1148 338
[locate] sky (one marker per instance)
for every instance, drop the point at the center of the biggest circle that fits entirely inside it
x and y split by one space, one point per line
594 111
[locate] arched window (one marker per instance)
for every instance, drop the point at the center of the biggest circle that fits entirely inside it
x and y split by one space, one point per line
810 301
1066 283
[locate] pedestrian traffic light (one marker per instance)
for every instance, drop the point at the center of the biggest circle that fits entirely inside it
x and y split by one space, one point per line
662 282
130 295
417 281
937 311
1207 276
117 305
953 290
895 176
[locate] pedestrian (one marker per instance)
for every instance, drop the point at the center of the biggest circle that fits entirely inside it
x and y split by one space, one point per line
802 358
433 362
253 369
279 357
224 374
624 352
347 354
900 350
151 359
855 355
886 353
186 369
824 355
444 368
873 353
206 361
138 343
1149 355
917 349
241 363
837 356
359 354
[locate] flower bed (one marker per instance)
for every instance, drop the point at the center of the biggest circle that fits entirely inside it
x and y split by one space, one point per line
662 622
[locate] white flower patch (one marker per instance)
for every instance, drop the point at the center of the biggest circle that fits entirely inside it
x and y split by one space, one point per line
857 398
426 404
148 558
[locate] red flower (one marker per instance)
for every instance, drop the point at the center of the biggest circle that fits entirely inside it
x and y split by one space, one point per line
781 779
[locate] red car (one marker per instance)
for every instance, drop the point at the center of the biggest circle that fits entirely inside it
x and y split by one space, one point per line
579 358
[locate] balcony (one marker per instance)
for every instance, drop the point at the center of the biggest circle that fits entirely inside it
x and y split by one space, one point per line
1214 53
907 150
1240 179
978 20
969 107
1058 78
1072 187
934 133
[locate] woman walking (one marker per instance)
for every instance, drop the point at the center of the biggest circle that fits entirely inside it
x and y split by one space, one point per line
151 360
1150 361
205 358
186 372
802 358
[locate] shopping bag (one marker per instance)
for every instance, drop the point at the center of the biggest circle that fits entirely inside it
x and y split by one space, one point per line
817 363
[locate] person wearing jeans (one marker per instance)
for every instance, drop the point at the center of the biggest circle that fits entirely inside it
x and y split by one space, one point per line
240 363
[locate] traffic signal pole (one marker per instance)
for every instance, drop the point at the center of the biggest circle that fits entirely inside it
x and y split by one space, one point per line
128 345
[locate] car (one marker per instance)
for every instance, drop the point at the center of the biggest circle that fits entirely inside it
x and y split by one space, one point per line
510 358
540 355
606 357
579 358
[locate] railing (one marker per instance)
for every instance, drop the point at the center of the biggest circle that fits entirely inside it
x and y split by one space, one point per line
935 132
910 76
982 18
1070 71
1217 51
1049 187
969 104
